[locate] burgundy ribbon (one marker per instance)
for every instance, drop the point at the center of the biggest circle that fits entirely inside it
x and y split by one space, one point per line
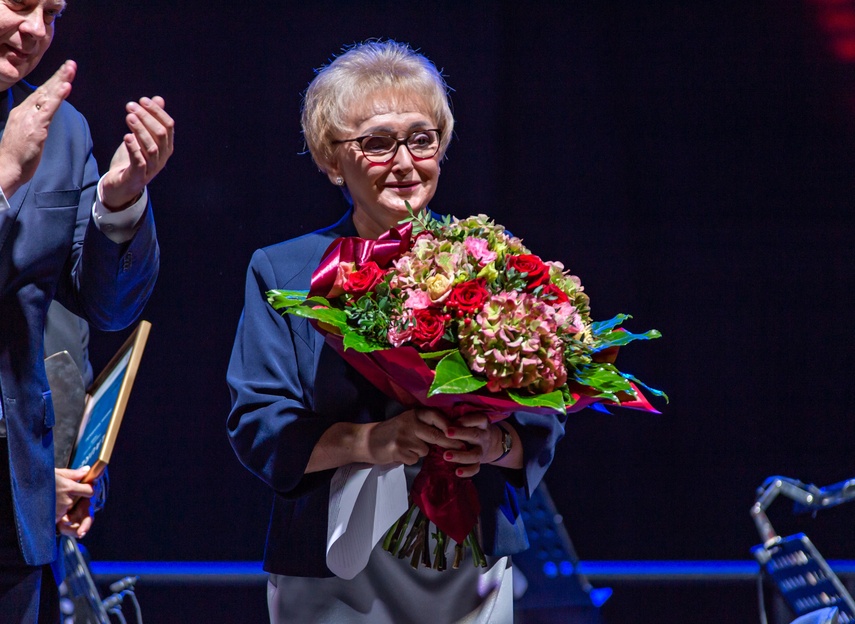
388 247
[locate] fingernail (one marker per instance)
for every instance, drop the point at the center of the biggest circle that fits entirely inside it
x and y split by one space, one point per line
448 456
451 432
145 101
459 472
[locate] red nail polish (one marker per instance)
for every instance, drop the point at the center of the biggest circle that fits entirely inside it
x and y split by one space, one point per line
448 455
451 432
459 472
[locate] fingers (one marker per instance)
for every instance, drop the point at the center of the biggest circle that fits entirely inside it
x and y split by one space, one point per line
153 129
47 98
433 426
73 528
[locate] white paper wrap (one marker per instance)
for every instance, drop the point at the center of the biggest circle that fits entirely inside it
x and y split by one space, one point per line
365 501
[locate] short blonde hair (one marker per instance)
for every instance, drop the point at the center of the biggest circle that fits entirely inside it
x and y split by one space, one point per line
362 71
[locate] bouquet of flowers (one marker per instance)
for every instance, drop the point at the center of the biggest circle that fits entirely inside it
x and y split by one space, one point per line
458 315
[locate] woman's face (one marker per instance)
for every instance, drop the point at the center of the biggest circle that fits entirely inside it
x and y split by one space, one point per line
380 190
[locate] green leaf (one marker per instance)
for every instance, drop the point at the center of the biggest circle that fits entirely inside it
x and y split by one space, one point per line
283 298
358 342
454 377
554 400
651 390
605 379
436 355
331 316
598 327
619 338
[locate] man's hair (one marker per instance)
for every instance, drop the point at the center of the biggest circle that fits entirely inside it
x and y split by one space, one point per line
391 70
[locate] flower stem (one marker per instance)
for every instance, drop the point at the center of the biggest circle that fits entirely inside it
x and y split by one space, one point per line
458 556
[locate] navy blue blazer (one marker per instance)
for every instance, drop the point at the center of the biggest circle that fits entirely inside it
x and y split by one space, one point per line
50 247
288 387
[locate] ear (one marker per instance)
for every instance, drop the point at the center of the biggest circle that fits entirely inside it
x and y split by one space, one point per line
333 171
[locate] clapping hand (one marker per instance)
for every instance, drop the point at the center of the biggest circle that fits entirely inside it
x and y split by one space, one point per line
142 154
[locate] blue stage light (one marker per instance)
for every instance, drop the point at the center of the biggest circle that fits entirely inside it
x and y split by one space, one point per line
550 569
599 595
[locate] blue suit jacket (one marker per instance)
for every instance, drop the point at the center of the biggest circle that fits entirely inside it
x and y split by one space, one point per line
288 388
49 247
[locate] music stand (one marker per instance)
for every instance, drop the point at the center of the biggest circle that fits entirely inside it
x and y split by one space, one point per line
556 590
802 575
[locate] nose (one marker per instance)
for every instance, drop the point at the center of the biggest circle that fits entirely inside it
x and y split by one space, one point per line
34 24
402 160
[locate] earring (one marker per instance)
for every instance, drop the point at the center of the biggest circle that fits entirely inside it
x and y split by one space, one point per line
339 181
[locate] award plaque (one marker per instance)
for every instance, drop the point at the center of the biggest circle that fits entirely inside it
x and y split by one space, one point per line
105 405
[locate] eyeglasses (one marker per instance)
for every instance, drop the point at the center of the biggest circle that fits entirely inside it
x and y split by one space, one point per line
381 149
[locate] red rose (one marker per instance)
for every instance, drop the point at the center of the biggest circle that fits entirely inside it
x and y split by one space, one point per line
537 273
468 297
363 279
553 294
430 326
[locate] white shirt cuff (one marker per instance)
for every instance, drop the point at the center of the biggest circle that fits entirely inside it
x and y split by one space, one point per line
4 203
119 226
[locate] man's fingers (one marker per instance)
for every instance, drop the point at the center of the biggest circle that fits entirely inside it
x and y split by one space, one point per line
158 120
48 97
134 152
154 120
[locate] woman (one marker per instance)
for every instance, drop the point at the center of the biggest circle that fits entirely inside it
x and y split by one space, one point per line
377 122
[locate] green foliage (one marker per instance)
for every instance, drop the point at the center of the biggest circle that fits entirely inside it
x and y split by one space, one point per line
605 379
554 400
454 377
369 318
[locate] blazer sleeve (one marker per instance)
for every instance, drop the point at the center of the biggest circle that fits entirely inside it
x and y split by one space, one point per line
107 283
272 427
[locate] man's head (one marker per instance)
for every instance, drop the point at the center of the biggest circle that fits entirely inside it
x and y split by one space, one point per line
26 32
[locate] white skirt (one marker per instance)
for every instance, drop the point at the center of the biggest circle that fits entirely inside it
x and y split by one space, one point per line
390 591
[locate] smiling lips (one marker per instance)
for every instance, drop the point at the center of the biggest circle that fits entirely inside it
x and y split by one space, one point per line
17 54
402 187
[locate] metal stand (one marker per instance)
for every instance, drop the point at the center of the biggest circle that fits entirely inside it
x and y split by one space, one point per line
801 574
80 602
554 591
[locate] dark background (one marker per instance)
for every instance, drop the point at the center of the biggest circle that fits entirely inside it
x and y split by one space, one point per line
692 162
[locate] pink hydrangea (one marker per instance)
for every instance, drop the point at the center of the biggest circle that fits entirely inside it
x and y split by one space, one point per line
514 342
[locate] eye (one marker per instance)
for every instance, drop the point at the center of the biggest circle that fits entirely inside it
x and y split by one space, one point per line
53 13
377 144
423 143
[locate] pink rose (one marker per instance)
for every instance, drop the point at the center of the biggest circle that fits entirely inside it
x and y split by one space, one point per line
479 249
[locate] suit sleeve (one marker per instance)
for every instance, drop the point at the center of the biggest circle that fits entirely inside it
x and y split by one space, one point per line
107 283
272 427
539 434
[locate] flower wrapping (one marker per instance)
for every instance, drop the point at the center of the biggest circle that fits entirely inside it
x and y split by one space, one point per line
459 316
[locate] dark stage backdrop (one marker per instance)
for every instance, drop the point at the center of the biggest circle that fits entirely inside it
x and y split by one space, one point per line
692 162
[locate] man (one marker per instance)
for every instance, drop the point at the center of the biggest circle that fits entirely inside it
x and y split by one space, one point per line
63 233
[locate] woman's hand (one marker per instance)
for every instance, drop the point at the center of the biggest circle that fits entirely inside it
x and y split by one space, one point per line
484 444
406 438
